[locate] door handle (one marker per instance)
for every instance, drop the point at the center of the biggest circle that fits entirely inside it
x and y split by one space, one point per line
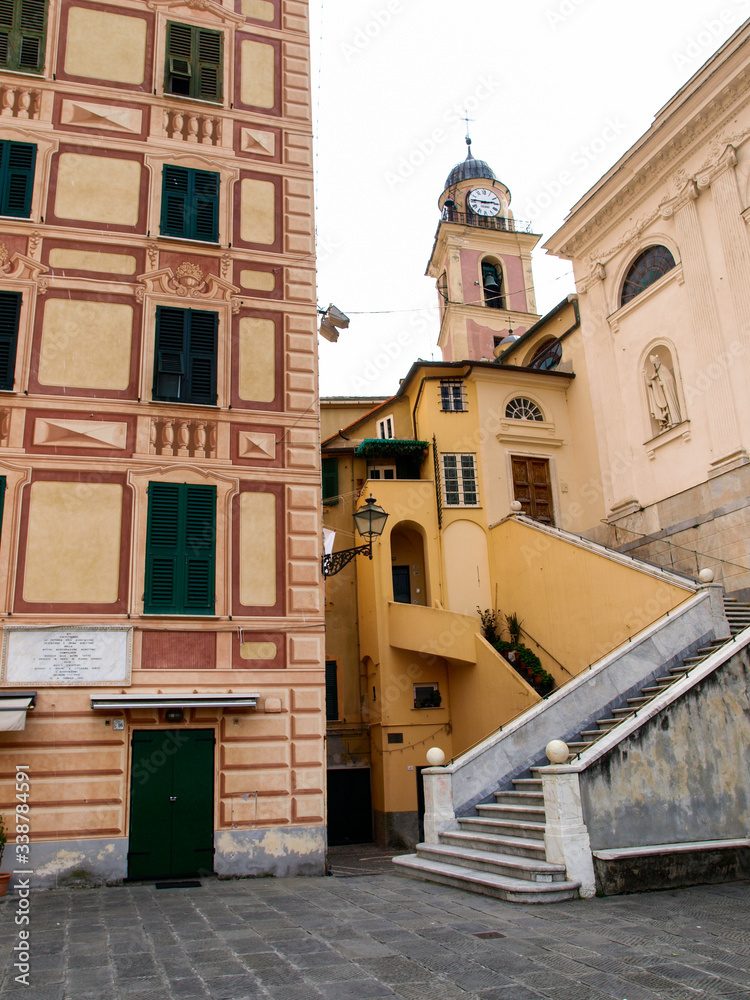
172 798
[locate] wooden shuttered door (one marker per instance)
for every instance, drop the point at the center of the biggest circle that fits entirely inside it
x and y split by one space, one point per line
16 178
190 204
180 549
194 62
185 356
22 32
10 310
532 487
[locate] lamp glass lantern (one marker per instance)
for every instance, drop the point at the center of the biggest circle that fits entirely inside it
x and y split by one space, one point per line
370 519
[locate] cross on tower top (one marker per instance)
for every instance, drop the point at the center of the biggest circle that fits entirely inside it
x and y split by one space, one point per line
468 137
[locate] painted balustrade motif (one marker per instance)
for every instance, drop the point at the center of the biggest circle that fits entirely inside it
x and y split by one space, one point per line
183 438
197 128
19 102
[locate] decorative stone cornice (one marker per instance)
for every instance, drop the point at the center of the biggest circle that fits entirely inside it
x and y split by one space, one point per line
597 272
689 193
726 160
187 281
19 267
207 5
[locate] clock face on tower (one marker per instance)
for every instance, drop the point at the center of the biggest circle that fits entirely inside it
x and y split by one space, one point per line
484 202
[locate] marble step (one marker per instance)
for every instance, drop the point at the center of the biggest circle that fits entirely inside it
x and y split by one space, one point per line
510 865
475 840
513 890
520 798
511 813
480 824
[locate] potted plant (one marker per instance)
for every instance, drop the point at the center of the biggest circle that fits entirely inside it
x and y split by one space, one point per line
4 876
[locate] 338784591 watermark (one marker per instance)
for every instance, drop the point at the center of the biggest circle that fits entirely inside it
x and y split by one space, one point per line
22 918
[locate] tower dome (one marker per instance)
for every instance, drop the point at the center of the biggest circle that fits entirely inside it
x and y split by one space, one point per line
470 169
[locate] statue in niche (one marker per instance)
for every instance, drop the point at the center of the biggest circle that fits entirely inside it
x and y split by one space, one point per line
662 395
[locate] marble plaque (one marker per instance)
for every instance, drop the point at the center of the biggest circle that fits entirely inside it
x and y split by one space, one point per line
84 656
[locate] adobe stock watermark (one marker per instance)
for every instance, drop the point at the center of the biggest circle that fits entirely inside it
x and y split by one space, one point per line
365 34
697 46
580 161
424 148
560 13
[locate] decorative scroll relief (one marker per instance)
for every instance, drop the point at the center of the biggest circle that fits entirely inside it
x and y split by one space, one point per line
19 267
85 656
101 116
80 433
188 281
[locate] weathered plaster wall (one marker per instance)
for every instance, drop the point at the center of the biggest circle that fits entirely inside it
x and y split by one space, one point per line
684 775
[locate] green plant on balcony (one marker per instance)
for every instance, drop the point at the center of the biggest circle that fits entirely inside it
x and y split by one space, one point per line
523 660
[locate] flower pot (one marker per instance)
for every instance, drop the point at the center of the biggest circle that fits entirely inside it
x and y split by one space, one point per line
4 879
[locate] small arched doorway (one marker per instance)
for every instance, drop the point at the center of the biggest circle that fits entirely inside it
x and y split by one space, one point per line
408 565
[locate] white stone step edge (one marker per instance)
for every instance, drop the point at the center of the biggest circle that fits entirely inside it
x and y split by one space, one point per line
684 847
518 886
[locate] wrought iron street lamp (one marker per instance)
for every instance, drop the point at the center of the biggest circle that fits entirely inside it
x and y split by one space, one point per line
370 521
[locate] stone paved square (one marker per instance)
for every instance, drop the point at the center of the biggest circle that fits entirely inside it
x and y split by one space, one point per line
377 936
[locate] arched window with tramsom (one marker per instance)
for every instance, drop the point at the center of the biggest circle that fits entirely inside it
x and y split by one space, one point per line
647 268
547 357
492 285
522 408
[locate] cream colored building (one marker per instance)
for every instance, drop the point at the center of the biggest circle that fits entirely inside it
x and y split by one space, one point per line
661 257
159 460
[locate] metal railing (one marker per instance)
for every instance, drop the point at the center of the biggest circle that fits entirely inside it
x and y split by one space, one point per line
486 221
666 554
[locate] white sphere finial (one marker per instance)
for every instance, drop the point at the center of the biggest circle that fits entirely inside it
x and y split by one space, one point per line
706 576
557 752
435 757
516 506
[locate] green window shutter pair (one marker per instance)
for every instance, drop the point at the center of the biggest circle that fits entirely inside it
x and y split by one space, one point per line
185 356
16 177
10 311
330 481
22 29
193 62
180 549
190 203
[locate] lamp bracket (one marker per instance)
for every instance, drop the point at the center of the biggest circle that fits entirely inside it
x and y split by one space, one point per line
336 561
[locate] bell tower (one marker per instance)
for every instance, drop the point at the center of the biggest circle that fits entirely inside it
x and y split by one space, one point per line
481 261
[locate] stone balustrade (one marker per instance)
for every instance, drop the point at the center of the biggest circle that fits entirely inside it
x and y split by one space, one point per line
20 102
192 127
183 438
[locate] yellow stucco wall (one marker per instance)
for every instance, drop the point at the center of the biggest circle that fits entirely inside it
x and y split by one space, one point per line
260 280
106 46
98 189
258 549
86 344
467 577
257 374
257 69
257 208
577 603
73 549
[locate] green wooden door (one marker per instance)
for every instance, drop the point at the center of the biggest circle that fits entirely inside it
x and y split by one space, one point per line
171 803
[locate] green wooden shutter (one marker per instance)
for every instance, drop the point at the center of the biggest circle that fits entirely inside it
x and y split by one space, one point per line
163 565
16 178
179 62
180 549
175 201
22 32
332 691
205 202
170 353
201 359
200 549
10 311
207 83
330 481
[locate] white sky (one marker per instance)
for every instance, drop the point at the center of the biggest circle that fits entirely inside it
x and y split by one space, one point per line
558 90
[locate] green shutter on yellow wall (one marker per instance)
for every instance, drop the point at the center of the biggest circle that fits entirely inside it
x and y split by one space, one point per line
330 480
180 549
194 62
16 178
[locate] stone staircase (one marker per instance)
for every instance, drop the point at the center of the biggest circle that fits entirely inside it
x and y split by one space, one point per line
500 852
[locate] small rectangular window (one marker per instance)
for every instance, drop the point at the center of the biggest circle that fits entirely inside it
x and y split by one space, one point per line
385 428
190 204
180 549
23 25
194 62
332 691
381 472
185 356
16 177
459 480
452 397
330 481
10 311
427 696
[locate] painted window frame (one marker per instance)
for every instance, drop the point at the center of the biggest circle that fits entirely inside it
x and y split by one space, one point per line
180 560
376 472
429 694
23 36
459 478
